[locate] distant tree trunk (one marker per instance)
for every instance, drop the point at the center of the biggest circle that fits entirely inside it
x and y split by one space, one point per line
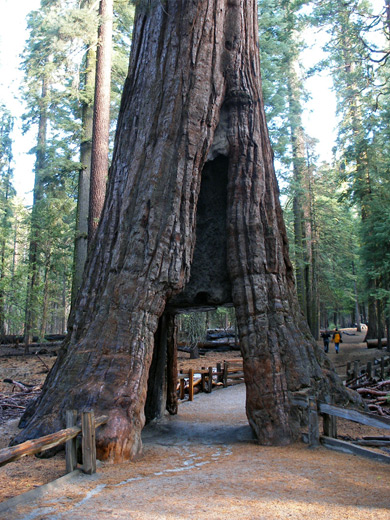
81 236
2 258
2 299
312 298
101 117
31 308
304 240
64 317
45 302
362 180
298 155
357 312
192 94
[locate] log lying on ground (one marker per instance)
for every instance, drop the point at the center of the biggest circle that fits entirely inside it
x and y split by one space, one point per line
213 334
41 348
373 343
12 339
24 387
226 344
372 391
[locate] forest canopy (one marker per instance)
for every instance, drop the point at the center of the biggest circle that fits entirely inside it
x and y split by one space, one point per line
336 210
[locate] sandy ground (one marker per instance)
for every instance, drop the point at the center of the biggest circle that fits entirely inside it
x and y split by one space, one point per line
204 462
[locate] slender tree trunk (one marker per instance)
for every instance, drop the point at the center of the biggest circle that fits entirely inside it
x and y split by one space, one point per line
81 238
362 181
101 117
2 261
2 295
172 400
357 312
372 317
45 302
192 94
380 322
65 310
387 311
31 308
298 151
312 253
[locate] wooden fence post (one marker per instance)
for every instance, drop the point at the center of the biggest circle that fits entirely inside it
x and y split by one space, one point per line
210 385
191 384
382 367
369 369
314 434
355 369
70 445
330 425
182 388
88 442
219 373
225 374
203 376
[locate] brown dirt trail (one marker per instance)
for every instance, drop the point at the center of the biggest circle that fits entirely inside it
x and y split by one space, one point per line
205 463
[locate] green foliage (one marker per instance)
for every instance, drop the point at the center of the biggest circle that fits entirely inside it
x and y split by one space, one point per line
280 26
13 229
194 326
61 32
360 72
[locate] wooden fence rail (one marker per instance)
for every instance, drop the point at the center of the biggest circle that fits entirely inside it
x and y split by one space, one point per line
228 372
329 437
68 436
379 368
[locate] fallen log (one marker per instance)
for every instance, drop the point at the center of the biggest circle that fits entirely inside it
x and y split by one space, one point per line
212 345
373 343
382 383
11 405
40 348
378 408
26 388
372 391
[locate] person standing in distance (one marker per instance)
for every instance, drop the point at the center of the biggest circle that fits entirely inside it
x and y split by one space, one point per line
337 339
325 336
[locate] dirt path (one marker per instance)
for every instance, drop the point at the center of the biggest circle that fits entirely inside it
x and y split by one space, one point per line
204 463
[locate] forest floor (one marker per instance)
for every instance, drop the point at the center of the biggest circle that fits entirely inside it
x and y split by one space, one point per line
203 463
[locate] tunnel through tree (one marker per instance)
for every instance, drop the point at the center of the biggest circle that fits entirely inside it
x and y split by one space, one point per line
191 113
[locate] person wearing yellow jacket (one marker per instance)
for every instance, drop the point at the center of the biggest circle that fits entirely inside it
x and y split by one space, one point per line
337 339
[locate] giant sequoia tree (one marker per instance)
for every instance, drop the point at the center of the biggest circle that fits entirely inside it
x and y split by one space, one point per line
191 188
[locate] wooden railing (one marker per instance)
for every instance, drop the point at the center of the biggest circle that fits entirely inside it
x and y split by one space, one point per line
205 379
67 436
378 368
329 439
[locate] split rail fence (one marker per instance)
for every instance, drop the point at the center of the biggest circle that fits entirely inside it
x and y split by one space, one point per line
378 369
329 439
224 374
67 436
192 381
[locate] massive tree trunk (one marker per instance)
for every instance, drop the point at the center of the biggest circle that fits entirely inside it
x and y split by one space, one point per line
191 104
